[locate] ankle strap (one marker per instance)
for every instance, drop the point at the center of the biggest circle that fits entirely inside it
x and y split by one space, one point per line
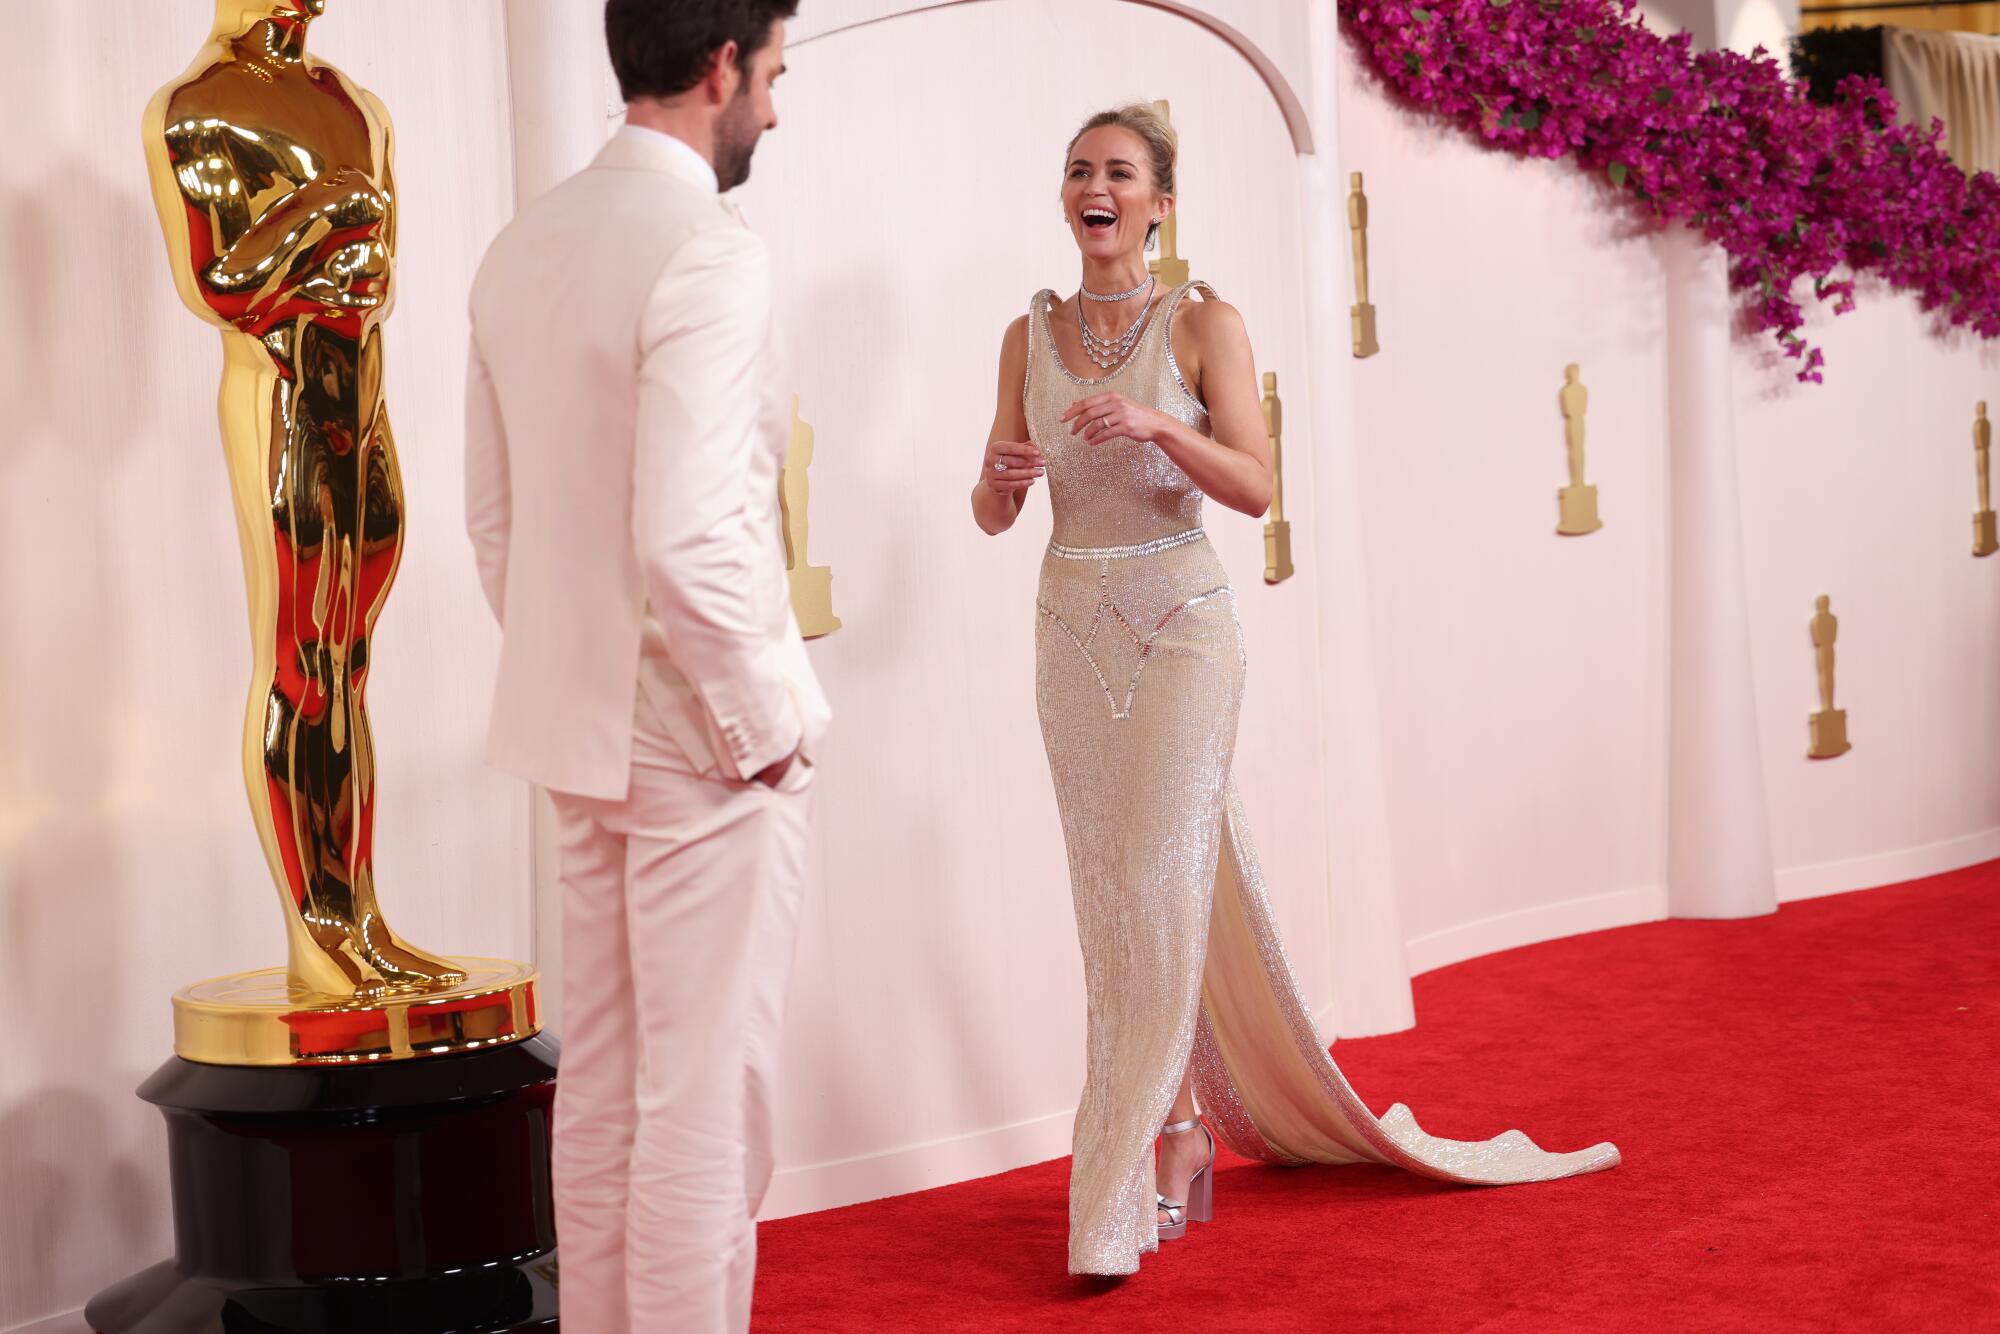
1177 1127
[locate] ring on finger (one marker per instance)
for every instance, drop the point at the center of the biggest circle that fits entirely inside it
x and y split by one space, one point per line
999 465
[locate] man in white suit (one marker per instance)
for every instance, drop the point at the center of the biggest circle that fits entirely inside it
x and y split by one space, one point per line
626 433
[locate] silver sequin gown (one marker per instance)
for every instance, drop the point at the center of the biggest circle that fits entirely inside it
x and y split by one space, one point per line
1139 672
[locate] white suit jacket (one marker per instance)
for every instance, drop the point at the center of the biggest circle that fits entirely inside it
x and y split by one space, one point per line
625 436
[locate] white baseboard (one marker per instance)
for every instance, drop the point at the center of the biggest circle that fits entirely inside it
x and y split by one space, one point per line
1531 926
71 1323
941 1162
814 1186
1628 907
799 1190
1887 868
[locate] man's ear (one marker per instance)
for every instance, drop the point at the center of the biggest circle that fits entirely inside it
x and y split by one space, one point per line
724 74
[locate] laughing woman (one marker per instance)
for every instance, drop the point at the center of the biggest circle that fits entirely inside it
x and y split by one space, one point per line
1136 403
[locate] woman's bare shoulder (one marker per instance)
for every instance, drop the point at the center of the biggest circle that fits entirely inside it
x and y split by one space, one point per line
1210 317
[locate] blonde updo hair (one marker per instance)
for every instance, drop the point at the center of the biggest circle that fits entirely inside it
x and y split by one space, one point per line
1163 146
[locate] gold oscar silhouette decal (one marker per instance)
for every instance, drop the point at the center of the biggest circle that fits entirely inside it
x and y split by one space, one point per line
272 175
1985 538
1277 530
1363 313
1829 725
812 585
1578 502
1170 269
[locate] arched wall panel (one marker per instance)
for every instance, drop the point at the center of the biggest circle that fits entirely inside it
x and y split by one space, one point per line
939 934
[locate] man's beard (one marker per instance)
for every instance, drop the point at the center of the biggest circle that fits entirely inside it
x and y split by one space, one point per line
735 140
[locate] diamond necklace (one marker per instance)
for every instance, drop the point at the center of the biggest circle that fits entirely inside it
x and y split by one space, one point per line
1109 352
1089 295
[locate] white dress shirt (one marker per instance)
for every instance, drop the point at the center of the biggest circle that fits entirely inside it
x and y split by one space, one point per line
699 167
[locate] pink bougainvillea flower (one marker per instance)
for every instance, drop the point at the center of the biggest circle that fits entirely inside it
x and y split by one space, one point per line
1793 191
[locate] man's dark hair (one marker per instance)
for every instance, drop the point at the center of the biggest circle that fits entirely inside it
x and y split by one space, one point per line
662 47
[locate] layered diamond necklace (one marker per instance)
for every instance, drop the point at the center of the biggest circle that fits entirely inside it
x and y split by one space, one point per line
1108 353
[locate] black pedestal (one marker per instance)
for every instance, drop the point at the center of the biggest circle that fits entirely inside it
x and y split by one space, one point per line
409 1197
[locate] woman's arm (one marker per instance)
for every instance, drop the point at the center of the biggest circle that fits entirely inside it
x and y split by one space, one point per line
998 494
1213 349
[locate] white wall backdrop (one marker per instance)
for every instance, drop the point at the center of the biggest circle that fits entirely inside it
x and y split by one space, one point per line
128 863
1457 732
1863 489
1523 675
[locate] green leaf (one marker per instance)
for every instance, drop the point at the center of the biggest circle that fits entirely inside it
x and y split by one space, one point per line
1411 63
1421 15
1501 4
1531 119
1663 95
1618 172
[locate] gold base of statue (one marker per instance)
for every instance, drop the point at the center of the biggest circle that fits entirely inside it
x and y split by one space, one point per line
1278 551
1829 735
256 1019
812 601
1985 536
1364 330
1579 511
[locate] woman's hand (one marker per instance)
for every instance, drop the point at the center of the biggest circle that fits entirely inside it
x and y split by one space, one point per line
1011 466
1103 417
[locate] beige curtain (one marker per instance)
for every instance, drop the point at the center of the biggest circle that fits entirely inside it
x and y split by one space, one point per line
1954 76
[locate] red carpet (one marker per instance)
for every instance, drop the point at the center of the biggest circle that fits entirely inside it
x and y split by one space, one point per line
1806 1104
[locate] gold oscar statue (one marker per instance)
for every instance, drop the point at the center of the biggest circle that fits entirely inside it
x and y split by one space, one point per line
1363 313
273 177
1578 501
812 585
1278 529
1170 269
1829 725
1985 537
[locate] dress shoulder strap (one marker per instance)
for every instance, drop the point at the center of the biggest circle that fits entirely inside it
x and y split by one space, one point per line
1174 297
1167 309
1038 314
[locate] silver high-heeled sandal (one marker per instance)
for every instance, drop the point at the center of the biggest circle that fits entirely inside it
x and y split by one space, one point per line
1199 1207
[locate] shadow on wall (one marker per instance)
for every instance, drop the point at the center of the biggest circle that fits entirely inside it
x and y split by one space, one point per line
58 1194
896 558
79 1156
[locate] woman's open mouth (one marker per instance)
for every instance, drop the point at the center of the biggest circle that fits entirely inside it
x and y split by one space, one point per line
1098 221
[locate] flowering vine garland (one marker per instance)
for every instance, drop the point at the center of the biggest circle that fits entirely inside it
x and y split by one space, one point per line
1792 189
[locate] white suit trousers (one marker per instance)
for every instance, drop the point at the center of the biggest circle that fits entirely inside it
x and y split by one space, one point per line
680 913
